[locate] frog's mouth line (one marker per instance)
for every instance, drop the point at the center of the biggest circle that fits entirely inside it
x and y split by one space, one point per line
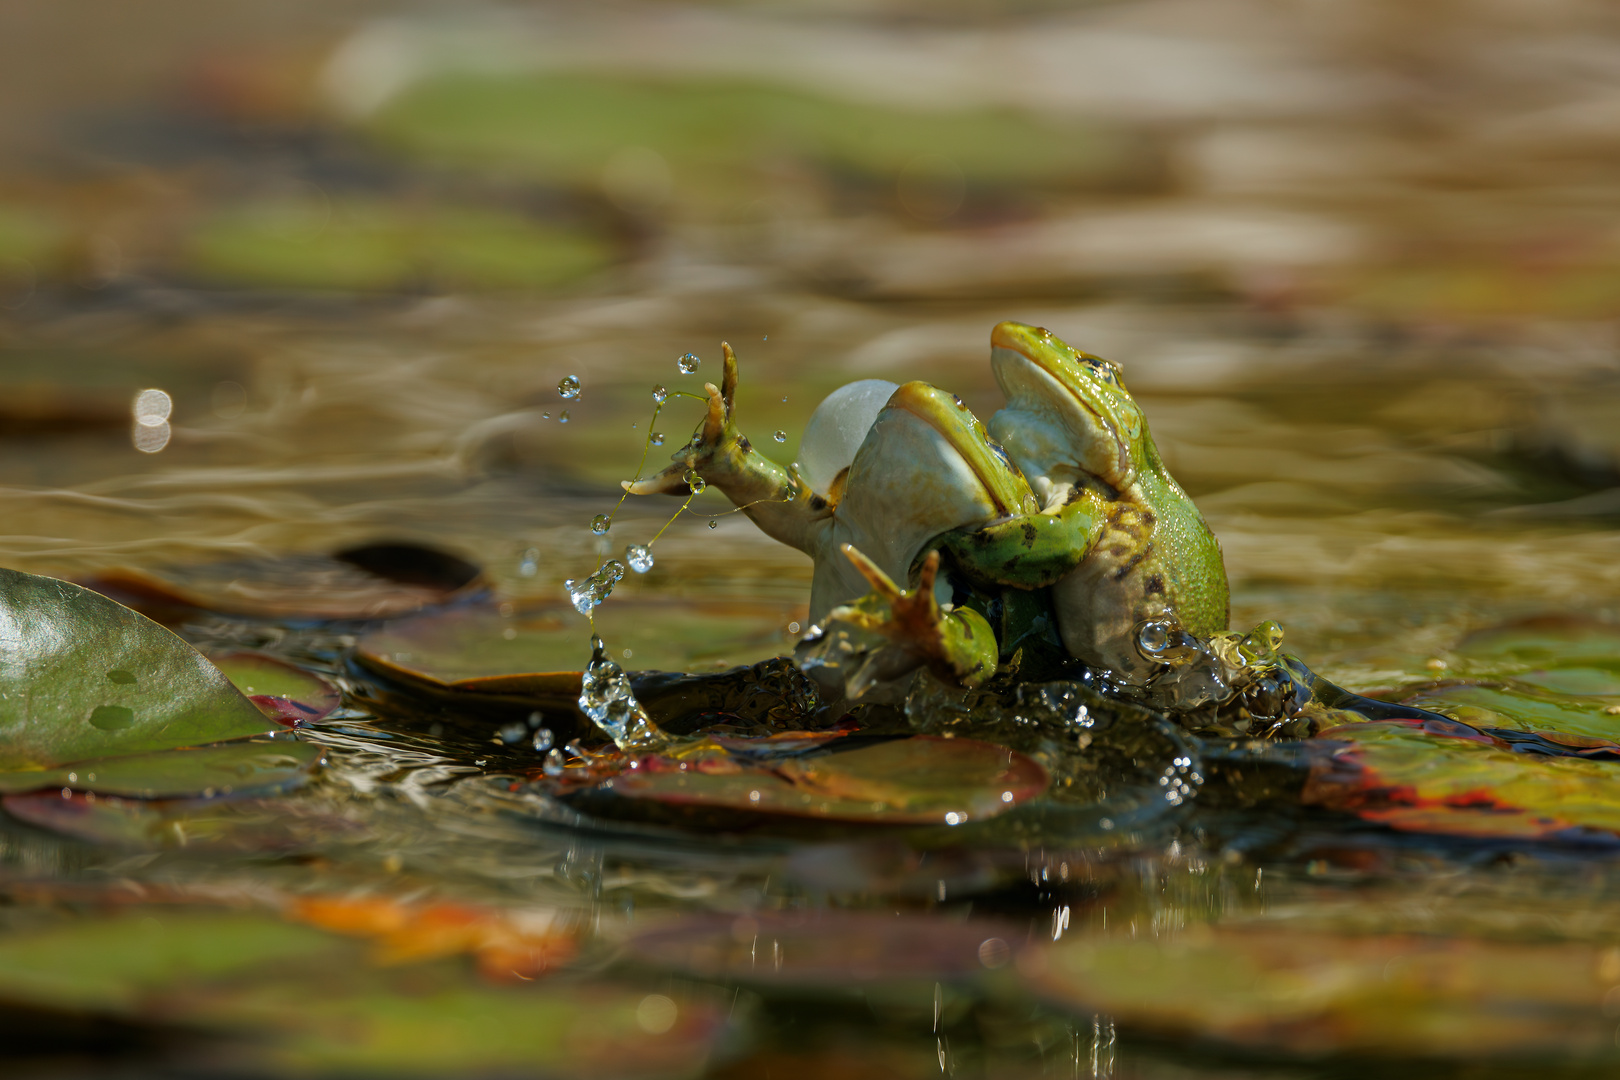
1000 479
1002 337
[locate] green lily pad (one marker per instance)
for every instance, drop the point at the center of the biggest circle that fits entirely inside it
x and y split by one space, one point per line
718 138
1316 993
1547 641
284 691
923 780
479 649
1522 709
276 995
168 774
369 245
83 677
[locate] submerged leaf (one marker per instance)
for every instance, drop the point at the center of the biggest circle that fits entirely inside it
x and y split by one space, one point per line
521 943
84 677
284 691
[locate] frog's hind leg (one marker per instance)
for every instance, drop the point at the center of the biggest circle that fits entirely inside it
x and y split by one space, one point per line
719 452
720 455
956 645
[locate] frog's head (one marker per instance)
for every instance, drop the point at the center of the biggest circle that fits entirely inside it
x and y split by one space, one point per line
1068 413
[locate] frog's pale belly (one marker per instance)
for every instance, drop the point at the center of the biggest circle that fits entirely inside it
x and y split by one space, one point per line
1118 586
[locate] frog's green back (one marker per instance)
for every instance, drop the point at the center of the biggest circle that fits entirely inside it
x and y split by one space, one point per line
1188 552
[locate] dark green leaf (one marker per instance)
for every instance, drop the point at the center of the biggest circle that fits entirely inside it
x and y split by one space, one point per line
83 677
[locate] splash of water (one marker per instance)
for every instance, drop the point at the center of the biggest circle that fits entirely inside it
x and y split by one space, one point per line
606 697
586 593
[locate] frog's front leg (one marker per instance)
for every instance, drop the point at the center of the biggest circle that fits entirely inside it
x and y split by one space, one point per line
1029 551
720 455
956 645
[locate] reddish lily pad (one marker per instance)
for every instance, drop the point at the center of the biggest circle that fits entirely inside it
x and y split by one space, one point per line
285 692
923 780
1401 775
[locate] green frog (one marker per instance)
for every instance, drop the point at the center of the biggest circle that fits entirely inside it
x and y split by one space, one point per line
1063 495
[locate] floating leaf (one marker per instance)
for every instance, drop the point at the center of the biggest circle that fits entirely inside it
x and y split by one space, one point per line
706 134
522 943
374 581
1521 708
83 677
208 770
286 998
284 691
231 825
1400 775
1548 640
1314 993
372 244
923 780
461 645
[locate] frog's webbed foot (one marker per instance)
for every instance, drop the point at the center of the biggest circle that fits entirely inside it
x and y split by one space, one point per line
956 645
717 449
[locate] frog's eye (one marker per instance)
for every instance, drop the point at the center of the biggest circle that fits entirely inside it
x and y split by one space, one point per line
1106 370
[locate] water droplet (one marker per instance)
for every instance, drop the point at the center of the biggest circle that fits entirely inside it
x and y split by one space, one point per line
545 416
640 557
779 435
658 438
660 395
784 401
562 417
713 524
568 389
606 697
514 733
152 407
543 739
600 524
530 564
587 593
555 765
695 482
688 363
